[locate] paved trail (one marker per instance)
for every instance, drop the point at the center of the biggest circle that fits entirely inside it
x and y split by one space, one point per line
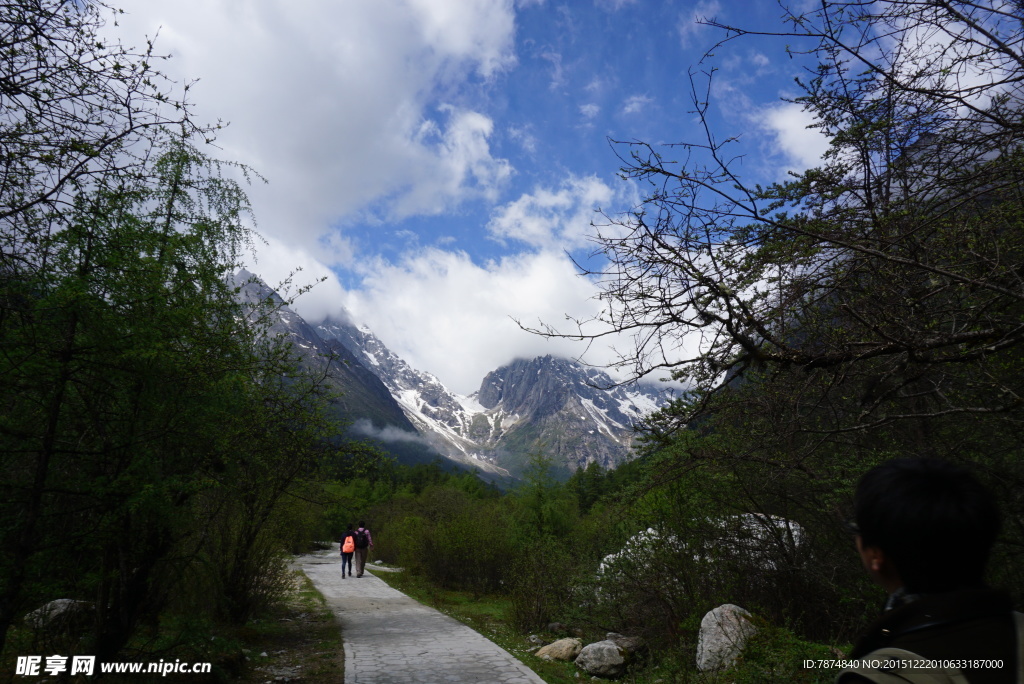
392 639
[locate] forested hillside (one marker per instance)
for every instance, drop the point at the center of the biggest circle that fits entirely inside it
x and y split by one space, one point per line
154 440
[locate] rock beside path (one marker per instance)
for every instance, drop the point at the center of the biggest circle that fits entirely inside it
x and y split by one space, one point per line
602 659
563 649
724 632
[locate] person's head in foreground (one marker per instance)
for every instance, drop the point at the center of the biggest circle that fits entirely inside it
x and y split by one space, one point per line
925 526
925 530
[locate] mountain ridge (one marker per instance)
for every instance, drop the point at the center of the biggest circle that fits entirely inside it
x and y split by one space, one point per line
544 403
547 404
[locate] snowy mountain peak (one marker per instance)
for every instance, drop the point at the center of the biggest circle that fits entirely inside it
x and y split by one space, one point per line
545 403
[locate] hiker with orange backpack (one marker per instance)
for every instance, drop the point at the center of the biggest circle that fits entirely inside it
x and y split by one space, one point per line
348 547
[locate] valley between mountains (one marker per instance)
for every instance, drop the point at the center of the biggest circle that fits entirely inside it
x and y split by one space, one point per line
550 404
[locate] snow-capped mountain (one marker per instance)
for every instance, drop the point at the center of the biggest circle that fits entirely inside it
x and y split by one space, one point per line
439 414
547 404
362 399
560 407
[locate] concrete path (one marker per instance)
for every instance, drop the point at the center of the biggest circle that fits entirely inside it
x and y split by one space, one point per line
392 639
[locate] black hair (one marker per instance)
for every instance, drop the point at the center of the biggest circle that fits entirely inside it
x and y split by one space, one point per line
934 521
362 524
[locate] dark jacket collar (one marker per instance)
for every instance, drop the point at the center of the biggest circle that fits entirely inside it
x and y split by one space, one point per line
931 611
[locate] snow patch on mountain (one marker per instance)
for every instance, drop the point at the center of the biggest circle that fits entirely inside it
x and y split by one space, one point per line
549 402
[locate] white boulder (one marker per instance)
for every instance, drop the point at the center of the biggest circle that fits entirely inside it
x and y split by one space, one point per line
724 633
57 613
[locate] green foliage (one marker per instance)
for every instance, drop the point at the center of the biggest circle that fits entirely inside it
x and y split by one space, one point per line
155 440
774 654
588 485
456 540
541 582
546 509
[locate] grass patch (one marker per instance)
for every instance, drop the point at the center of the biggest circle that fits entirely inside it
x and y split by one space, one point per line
298 638
484 613
773 654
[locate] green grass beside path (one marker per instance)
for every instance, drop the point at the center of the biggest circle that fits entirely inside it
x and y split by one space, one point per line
774 655
298 640
484 614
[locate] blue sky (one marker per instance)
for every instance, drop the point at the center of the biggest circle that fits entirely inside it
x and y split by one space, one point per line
438 159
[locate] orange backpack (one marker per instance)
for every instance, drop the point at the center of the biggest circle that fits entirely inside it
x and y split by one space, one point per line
348 544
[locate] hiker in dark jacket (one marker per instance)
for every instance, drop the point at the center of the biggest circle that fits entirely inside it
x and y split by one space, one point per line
924 530
364 542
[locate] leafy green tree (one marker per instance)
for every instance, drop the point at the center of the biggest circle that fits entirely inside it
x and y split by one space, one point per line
887 256
151 428
546 509
867 308
588 484
132 381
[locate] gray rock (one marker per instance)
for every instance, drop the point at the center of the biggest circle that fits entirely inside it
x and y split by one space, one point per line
563 649
630 645
724 632
602 659
557 628
536 640
59 613
285 673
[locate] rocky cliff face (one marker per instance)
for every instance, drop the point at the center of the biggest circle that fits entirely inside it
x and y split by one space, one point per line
551 405
548 404
439 414
362 399
562 408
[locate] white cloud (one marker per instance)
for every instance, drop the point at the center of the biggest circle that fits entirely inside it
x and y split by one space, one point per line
789 125
552 219
526 139
690 25
287 269
478 31
596 85
390 433
339 105
557 71
636 104
451 165
760 60
590 110
466 310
